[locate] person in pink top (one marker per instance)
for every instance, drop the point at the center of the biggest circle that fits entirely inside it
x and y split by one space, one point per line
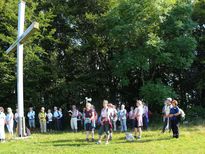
132 117
139 120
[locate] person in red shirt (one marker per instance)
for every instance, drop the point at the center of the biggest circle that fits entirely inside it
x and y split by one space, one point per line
89 117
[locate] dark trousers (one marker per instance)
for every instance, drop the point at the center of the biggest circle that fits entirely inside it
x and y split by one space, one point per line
132 122
57 124
145 122
175 127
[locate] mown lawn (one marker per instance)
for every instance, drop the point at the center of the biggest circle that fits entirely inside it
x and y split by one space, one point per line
192 140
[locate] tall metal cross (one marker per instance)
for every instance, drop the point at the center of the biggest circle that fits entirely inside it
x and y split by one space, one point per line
18 44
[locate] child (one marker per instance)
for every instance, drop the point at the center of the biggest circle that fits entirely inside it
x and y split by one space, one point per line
42 120
174 113
49 120
89 116
2 124
105 123
138 118
10 122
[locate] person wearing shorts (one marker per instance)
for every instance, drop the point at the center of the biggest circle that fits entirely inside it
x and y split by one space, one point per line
139 120
105 123
89 116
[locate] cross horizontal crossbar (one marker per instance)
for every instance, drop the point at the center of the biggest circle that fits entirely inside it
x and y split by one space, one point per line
30 30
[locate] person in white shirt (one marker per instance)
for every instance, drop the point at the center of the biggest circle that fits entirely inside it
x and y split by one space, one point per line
74 119
2 124
104 123
10 122
138 117
31 118
166 112
49 116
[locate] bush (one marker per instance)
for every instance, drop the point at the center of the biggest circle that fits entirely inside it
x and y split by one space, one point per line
155 93
195 112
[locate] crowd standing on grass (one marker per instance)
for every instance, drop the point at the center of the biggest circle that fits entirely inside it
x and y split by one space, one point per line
109 120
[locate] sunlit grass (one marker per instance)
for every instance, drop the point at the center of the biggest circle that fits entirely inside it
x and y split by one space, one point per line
192 140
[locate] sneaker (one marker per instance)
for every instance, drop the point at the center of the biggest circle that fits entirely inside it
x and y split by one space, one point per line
98 142
93 139
139 138
106 143
87 139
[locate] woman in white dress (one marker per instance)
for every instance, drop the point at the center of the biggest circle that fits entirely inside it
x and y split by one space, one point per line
10 122
2 124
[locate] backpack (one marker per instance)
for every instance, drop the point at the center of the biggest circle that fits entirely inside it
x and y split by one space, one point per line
182 114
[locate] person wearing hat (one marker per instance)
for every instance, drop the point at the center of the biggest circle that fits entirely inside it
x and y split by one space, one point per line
174 121
165 112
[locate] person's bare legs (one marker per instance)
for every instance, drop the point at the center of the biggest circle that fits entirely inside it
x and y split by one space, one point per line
140 132
93 135
87 135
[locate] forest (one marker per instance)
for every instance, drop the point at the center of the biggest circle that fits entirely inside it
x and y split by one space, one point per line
120 50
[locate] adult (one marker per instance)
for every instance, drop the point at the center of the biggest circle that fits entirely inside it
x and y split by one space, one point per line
166 112
56 117
139 120
105 123
123 118
114 118
49 116
10 122
42 120
174 121
16 117
89 116
145 116
60 124
132 117
2 124
31 118
74 119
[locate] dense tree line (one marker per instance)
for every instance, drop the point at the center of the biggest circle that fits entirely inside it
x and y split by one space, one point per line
114 49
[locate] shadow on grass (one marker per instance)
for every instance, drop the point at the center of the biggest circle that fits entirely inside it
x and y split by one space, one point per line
147 140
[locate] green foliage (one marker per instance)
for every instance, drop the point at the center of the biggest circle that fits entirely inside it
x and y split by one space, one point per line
155 93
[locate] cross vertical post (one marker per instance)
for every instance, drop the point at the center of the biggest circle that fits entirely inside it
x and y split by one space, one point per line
20 95
18 44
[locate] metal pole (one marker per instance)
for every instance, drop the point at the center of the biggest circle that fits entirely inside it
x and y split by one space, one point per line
21 19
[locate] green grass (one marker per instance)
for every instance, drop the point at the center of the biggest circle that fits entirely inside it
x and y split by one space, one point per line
192 140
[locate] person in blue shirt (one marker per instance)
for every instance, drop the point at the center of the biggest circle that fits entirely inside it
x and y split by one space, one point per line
174 113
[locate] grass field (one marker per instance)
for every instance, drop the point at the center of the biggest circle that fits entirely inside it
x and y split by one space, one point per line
191 141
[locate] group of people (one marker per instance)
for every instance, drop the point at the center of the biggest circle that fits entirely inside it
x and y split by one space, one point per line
48 121
107 120
8 120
